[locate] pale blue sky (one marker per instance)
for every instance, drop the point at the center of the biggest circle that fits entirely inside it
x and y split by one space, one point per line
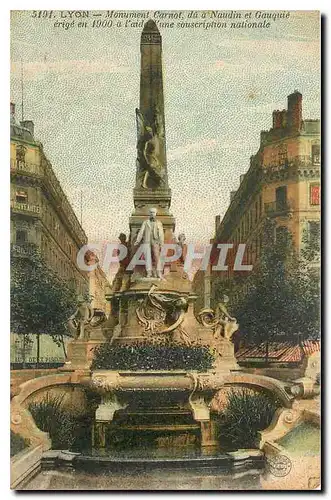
82 87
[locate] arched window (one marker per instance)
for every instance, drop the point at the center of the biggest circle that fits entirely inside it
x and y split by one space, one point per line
21 236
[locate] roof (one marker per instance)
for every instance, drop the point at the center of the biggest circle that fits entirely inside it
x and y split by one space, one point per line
279 352
17 131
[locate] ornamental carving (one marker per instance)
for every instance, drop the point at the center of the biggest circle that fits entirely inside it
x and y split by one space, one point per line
107 382
84 320
161 315
219 320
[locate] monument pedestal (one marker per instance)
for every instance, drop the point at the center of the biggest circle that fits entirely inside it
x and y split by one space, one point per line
80 354
209 440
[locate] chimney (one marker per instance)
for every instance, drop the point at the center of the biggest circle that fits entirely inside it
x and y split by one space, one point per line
283 118
277 119
217 222
294 110
29 125
12 108
263 137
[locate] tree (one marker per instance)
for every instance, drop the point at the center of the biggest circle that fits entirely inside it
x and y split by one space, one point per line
41 302
282 293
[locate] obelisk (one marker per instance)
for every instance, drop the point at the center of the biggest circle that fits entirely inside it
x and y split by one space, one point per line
151 189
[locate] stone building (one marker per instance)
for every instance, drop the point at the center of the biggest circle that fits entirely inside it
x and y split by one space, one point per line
282 183
41 214
42 217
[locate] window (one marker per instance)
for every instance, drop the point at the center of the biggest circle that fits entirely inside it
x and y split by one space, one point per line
21 236
20 153
314 194
314 231
281 197
282 154
315 153
21 196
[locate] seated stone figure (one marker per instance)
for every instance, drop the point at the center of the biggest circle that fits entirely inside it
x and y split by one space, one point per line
223 325
84 319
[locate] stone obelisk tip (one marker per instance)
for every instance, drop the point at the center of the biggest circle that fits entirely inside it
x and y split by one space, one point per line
152 188
150 27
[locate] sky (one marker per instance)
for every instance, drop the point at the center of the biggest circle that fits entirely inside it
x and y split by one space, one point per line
81 88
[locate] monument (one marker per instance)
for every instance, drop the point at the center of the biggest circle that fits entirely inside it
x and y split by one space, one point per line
151 189
152 322
152 234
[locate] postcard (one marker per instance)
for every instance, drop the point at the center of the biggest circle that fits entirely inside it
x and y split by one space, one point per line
165 213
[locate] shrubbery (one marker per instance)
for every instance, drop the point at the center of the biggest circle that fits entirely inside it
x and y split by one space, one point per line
17 443
246 414
52 418
140 356
65 430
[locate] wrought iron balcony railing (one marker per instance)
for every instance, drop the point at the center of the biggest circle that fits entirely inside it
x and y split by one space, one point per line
25 167
298 161
278 208
23 249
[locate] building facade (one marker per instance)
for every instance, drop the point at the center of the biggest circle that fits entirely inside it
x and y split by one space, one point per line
282 183
41 217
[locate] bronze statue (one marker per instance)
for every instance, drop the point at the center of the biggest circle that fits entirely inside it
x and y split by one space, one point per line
121 276
148 153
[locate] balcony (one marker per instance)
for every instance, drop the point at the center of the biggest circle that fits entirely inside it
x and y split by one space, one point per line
299 161
17 166
277 208
22 249
25 208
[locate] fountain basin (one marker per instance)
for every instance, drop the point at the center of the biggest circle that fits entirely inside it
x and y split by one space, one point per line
227 462
179 380
160 408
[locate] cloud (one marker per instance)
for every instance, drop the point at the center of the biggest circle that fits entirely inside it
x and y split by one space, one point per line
36 69
205 146
193 147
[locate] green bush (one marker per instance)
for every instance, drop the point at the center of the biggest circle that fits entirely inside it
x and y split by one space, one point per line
152 357
52 418
246 414
17 443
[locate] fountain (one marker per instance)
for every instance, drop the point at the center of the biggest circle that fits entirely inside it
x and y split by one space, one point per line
153 365
152 311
